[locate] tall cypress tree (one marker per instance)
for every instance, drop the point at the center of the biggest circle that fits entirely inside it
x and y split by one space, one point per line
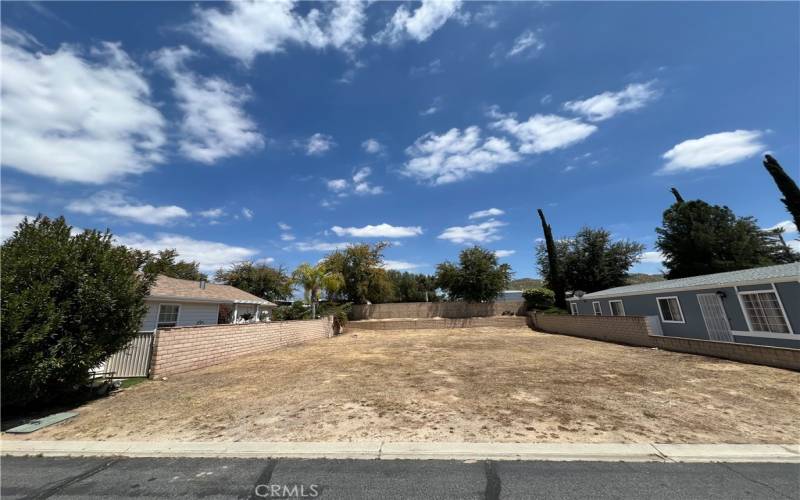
790 191
556 279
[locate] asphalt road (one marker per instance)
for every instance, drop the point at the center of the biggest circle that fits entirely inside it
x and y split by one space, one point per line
31 477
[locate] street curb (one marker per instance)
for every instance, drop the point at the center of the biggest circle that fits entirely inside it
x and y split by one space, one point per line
372 450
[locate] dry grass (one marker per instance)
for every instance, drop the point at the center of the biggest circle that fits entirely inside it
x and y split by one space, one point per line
479 384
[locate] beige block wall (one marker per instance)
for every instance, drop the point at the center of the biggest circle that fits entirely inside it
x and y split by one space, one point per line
436 310
633 330
435 323
182 349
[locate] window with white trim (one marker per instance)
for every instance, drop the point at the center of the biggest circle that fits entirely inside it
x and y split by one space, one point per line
764 312
573 308
168 315
598 311
670 309
617 309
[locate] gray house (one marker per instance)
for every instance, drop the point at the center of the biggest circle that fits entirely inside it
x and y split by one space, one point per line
753 306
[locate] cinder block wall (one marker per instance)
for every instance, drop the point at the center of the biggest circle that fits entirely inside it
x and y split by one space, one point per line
634 330
182 349
432 323
436 310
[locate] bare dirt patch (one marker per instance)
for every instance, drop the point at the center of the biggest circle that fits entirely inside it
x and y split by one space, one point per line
474 384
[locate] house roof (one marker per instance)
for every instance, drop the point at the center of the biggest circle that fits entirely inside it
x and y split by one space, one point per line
783 272
177 289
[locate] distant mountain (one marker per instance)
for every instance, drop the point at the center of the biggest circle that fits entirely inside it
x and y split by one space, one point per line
636 278
633 279
524 283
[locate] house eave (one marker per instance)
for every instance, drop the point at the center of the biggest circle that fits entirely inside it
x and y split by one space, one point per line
206 300
656 291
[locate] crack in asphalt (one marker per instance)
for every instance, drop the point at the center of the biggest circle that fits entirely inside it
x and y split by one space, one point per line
493 485
47 493
750 479
264 478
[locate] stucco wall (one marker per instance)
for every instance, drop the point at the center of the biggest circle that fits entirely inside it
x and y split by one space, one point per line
436 310
433 323
182 349
190 314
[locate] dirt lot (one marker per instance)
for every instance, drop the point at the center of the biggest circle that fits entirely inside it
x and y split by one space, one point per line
480 384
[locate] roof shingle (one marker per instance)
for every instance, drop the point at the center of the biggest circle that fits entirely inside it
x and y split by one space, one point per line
188 289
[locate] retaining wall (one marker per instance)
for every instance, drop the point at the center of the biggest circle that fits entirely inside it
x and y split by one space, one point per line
433 323
436 310
635 330
182 349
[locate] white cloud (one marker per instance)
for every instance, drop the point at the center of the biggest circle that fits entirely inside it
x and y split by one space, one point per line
211 255
713 150
794 245
476 233
247 213
214 123
360 185
542 133
337 185
652 257
361 174
372 146
114 203
787 226
456 155
265 260
9 223
419 25
528 42
319 246
491 212
504 253
245 29
434 108
284 227
319 144
399 265
73 116
604 106
379 231
212 213
432 68
15 195
287 237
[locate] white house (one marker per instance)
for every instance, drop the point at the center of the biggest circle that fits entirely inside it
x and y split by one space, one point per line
177 302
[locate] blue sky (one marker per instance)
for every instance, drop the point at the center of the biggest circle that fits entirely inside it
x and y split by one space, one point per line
279 131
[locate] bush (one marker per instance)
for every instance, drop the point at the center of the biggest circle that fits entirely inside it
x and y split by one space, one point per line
298 310
338 311
539 298
68 303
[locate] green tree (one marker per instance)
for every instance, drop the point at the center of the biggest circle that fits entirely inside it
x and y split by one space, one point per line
591 261
554 276
411 287
68 303
314 279
697 238
361 267
476 278
165 262
271 283
787 187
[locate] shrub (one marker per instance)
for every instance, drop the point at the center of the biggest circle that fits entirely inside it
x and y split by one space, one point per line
68 303
539 298
298 310
338 311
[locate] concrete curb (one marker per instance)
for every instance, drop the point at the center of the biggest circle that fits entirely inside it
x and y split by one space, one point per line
371 450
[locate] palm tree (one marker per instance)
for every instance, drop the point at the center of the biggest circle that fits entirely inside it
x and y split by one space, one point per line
314 279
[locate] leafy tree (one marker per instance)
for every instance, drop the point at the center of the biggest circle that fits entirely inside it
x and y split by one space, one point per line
361 267
271 283
591 261
297 310
697 238
68 303
165 262
315 279
411 287
790 191
553 277
476 278
539 298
